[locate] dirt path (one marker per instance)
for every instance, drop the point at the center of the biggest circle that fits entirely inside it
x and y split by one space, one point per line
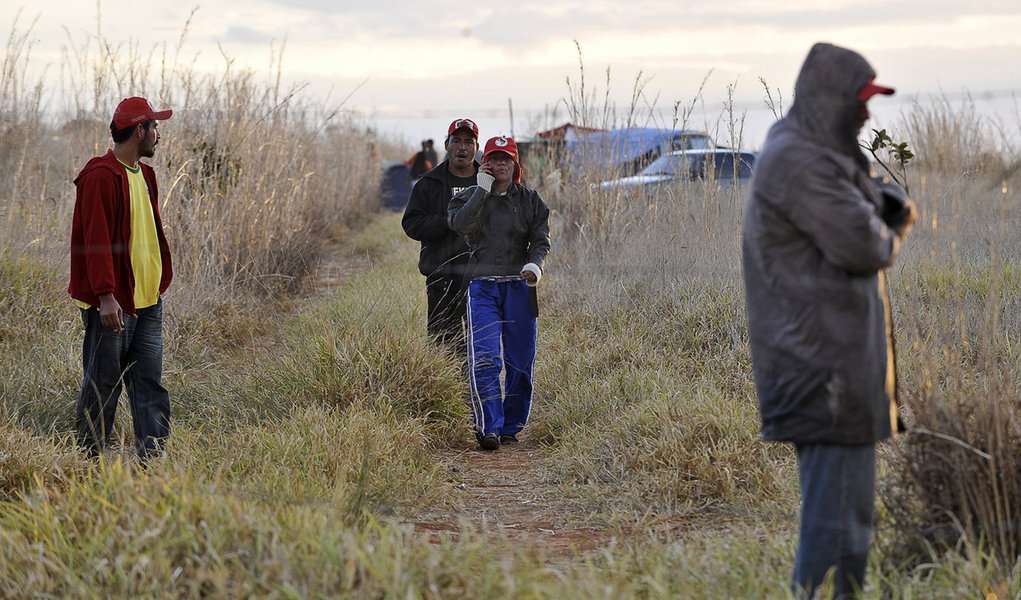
508 494
333 270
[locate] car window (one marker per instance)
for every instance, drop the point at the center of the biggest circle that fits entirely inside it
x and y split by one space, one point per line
688 141
698 142
724 165
664 165
696 166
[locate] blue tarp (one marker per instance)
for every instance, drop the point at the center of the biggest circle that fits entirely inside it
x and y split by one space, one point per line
629 149
395 187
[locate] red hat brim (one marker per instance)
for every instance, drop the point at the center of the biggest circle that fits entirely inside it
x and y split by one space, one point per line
871 89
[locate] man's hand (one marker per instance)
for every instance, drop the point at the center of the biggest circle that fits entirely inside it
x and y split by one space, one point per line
531 274
110 313
899 212
906 219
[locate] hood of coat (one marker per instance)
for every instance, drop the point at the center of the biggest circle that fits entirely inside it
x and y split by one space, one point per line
826 104
97 162
107 162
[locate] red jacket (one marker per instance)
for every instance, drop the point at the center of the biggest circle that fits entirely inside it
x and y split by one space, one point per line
101 230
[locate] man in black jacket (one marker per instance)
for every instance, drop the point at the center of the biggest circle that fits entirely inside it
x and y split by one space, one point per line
444 255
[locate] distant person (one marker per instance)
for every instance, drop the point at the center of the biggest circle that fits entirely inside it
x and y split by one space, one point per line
444 255
507 228
430 154
120 267
419 162
818 232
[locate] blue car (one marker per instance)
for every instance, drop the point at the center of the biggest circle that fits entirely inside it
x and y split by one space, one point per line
722 165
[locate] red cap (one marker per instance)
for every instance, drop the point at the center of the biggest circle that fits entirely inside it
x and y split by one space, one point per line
463 124
871 89
132 111
502 143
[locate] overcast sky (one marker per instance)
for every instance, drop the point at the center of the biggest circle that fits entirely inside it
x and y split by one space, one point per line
417 65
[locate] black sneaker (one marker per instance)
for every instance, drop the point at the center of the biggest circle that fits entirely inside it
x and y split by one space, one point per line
489 442
508 438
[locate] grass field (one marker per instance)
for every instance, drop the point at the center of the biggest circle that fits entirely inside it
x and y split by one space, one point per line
320 444
310 436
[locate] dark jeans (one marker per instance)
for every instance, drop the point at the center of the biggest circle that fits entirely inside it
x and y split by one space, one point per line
110 361
838 490
447 308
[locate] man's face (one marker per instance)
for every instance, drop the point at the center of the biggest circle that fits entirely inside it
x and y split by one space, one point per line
502 166
461 147
852 121
862 116
147 147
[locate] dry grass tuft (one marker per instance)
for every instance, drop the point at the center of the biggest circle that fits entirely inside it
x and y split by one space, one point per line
29 462
957 139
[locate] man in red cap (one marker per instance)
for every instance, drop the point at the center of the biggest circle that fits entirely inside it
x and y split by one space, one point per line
120 267
444 255
819 230
507 228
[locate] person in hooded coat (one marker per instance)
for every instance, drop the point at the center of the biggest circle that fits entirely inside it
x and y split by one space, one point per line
817 234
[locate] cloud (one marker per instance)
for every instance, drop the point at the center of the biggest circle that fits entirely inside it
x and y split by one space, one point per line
528 23
245 35
451 54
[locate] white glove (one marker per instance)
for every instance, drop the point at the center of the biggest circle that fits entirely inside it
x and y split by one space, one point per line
485 181
534 270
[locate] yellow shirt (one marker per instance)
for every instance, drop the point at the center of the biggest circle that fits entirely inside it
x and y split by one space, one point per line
144 245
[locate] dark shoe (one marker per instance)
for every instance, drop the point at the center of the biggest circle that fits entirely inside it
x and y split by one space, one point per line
489 442
508 438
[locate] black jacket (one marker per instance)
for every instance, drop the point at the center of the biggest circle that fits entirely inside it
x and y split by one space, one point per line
444 252
504 232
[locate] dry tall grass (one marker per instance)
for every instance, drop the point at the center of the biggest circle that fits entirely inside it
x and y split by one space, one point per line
255 183
952 483
254 178
305 431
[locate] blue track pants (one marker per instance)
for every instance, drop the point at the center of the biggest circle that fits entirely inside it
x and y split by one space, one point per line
501 337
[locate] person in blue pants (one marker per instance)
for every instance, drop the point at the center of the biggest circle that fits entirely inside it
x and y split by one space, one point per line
506 226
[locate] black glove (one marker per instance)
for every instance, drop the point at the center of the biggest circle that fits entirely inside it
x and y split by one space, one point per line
896 205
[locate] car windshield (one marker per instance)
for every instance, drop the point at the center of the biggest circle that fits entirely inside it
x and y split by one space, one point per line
694 165
668 164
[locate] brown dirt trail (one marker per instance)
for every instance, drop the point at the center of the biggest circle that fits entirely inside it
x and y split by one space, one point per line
507 494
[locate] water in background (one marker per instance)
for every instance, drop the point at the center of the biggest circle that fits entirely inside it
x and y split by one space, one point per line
410 126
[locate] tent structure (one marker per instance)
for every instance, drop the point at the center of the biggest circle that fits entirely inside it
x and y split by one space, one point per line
568 132
626 151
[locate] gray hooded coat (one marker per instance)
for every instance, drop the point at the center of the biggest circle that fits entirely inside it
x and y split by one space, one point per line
814 247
